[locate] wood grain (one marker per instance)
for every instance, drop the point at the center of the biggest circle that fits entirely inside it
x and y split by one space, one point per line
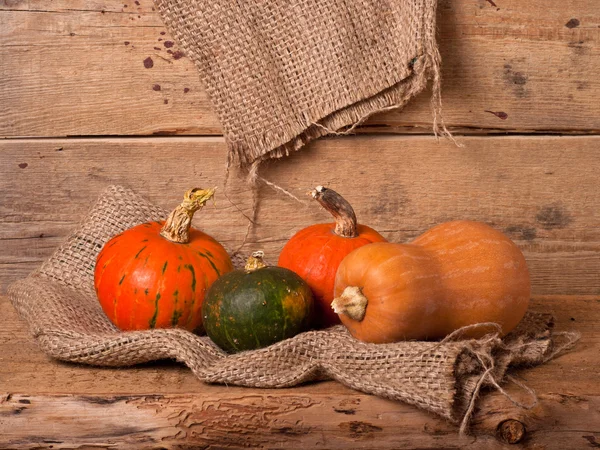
103 68
53 405
542 192
82 67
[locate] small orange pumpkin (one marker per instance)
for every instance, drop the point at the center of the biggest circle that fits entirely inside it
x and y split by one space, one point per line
456 274
155 275
315 252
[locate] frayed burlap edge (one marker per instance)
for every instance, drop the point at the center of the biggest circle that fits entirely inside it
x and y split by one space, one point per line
59 305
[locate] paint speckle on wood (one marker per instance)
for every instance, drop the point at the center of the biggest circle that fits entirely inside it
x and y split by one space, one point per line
23 165
156 87
169 44
186 90
499 114
177 54
573 23
148 63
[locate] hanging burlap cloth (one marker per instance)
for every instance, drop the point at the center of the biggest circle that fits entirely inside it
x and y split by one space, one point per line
282 73
59 305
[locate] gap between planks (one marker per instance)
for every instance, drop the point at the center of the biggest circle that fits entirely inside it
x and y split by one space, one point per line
364 130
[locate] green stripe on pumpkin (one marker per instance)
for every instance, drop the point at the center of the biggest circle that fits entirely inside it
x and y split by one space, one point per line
152 322
191 269
138 253
211 263
175 317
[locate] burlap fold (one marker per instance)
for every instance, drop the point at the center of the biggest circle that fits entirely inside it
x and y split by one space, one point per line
282 73
59 305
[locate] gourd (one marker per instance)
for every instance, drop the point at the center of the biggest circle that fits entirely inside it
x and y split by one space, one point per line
256 307
315 252
456 274
155 275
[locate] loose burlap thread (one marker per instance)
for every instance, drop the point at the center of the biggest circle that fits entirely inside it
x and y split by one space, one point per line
280 74
59 304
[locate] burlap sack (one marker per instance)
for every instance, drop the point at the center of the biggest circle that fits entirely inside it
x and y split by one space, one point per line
59 305
282 73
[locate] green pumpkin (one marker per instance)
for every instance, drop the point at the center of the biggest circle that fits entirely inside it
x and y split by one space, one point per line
256 307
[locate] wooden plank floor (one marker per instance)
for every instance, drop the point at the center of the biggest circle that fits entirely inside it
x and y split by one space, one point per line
57 405
95 92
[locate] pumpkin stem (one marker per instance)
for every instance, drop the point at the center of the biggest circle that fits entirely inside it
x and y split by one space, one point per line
177 226
352 302
340 209
255 262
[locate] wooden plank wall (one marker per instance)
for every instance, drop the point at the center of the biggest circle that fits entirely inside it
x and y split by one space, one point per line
94 93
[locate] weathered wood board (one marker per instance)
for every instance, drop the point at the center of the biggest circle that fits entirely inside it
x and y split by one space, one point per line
47 404
91 67
543 192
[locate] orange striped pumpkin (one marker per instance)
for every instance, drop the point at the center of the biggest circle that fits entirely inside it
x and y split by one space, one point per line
316 251
156 274
456 274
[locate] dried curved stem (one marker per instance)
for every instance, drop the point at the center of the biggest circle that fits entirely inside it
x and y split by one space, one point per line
177 226
340 209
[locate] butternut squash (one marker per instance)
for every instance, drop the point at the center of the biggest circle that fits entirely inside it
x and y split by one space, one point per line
456 274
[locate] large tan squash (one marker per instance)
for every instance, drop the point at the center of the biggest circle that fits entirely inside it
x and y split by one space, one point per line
456 274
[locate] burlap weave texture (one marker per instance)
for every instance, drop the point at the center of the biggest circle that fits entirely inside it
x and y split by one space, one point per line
281 73
59 305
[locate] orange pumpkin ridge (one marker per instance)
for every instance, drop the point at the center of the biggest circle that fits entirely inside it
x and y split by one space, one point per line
155 275
315 252
456 274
